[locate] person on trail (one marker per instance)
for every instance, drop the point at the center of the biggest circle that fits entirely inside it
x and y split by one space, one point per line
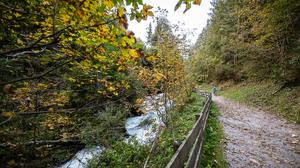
214 90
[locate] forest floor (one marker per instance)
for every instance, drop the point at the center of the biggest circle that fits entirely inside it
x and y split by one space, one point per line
254 138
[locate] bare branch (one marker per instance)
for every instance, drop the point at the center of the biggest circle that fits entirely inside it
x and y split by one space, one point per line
27 52
26 48
6 121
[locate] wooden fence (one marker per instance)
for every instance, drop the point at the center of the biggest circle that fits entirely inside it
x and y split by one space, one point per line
189 152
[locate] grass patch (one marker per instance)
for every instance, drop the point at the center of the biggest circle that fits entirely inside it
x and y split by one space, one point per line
212 149
184 121
122 154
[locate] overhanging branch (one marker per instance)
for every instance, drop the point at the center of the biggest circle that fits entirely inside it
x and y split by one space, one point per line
18 10
37 76
45 142
28 52
56 34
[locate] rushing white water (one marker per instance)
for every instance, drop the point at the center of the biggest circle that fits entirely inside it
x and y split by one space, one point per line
144 128
80 160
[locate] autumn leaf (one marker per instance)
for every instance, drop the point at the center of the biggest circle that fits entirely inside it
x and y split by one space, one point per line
20 42
8 114
11 163
65 136
139 101
51 110
147 7
197 2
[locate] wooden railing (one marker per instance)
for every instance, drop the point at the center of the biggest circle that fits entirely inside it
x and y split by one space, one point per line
189 152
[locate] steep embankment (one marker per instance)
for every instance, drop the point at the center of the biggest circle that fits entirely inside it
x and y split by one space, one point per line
282 101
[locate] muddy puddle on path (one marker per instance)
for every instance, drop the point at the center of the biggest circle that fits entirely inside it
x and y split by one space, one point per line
254 138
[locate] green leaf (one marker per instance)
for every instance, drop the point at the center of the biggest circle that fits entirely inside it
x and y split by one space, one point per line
140 2
188 6
132 16
178 5
128 2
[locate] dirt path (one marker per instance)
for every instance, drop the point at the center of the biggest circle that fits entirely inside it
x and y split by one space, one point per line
254 138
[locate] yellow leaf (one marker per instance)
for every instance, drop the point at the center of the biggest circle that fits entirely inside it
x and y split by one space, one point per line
20 42
121 68
139 101
11 163
133 53
197 2
51 110
65 136
72 79
8 114
46 2
110 88
147 7
121 11
65 18
150 13
108 3
151 58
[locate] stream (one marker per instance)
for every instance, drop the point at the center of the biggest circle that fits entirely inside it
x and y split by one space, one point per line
143 128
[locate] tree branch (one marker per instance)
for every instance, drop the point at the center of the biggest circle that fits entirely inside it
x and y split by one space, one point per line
46 142
56 34
72 110
26 48
27 52
6 121
37 76
34 44
18 10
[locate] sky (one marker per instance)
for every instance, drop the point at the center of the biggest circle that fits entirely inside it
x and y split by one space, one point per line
194 20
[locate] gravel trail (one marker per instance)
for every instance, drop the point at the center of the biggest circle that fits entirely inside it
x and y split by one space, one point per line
254 138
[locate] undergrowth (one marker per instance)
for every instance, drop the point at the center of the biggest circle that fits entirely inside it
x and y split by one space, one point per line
212 148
